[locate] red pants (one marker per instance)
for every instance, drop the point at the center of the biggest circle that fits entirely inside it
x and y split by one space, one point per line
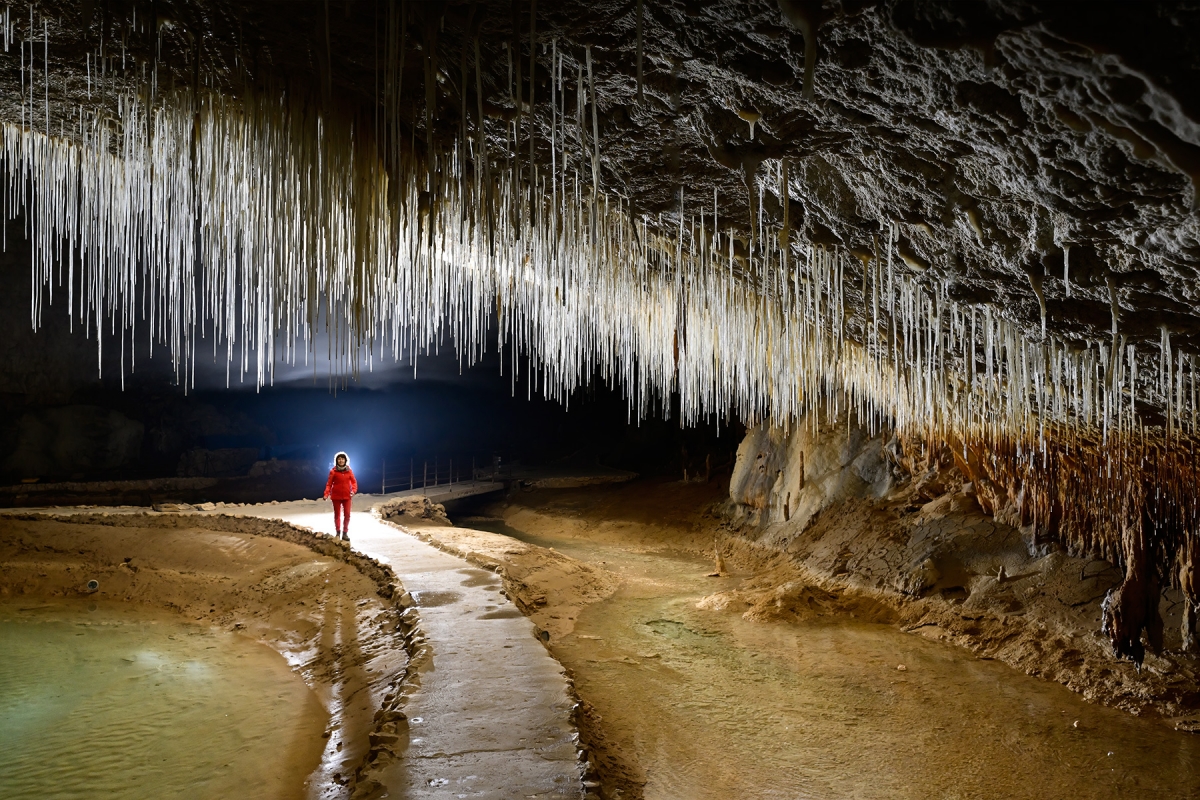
341 511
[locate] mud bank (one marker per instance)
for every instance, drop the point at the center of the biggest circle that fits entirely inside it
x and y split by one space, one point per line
944 572
548 587
941 570
634 538
334 614
835 518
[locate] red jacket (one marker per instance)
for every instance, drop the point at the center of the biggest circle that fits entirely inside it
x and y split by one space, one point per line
341 484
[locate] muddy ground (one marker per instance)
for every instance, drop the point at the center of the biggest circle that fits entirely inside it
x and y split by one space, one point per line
321 610
942 571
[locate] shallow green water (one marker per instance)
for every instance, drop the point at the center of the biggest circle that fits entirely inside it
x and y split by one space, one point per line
718 707
115 704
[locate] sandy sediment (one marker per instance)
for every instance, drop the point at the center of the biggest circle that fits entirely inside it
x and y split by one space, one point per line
947 572
336 615
934 571
548 587
943 571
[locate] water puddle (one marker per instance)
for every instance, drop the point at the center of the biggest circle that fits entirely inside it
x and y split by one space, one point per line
480 577
713 706
105 702
436 598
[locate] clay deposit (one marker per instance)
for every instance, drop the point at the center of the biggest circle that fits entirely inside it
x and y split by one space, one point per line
940 570
326 609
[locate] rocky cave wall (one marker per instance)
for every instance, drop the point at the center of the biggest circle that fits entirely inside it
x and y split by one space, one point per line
926 523
793 474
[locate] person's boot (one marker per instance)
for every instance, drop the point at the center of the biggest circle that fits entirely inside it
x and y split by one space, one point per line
346 536
338 535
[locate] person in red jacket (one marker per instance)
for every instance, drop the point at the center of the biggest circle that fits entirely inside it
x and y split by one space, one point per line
340 487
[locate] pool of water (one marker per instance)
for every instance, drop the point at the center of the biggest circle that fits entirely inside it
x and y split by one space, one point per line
714 706
113 703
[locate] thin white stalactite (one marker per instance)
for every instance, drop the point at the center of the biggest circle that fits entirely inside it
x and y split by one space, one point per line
261 224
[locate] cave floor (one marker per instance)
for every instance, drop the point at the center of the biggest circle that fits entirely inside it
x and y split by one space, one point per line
704 704
685 697
490 715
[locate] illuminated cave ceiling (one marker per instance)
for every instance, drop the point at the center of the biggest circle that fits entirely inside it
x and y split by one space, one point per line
994 134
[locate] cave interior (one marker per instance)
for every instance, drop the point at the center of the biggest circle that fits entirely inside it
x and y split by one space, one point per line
887 308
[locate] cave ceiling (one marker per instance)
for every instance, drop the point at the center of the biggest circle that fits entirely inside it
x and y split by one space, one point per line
995 136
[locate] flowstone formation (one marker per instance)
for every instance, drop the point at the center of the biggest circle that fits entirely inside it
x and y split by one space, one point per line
973 223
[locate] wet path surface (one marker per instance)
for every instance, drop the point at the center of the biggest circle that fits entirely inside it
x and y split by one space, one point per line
491 717
709 705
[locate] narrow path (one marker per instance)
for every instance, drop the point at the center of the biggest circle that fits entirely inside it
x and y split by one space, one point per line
442 493
491 717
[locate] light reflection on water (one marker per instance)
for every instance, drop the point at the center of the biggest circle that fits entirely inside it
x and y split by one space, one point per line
115 704
718 707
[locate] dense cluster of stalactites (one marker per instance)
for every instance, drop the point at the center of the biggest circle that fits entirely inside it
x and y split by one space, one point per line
256 227
252 224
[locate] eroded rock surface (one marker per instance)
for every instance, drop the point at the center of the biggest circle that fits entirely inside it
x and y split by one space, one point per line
784 475
924 553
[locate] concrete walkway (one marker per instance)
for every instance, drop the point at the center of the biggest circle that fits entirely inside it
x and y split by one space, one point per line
443 493
491 717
